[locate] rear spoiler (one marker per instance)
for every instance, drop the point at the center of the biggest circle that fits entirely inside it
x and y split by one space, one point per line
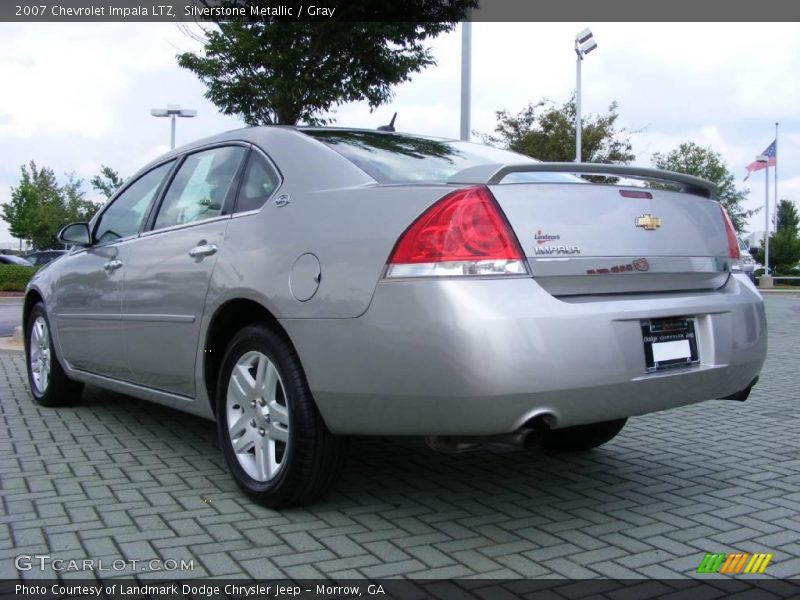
494 173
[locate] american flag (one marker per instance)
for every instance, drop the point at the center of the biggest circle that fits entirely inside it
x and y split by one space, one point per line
757 166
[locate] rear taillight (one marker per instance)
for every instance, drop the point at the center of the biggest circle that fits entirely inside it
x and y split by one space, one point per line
733 242
464 233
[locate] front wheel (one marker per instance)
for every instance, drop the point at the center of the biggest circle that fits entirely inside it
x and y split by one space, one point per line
582 437
276 445
49 384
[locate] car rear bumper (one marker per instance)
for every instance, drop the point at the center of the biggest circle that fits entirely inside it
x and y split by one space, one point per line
482 357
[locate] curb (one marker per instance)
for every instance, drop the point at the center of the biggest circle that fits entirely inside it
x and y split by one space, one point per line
8 344
13 343
11 299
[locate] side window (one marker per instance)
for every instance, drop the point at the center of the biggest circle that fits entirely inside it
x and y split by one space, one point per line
258 184
200 187
124 216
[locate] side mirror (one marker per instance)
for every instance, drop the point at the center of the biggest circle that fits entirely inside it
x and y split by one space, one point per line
75 234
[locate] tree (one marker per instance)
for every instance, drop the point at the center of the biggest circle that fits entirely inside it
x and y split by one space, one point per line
692 159
787 218
546 131
32 205
784 251
76 206
784 244
107 182
275 71
39 207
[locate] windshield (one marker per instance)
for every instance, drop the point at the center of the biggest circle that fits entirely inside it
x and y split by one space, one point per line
401 158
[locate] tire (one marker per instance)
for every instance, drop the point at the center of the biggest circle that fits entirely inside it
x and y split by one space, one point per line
582 437
48 383
275 442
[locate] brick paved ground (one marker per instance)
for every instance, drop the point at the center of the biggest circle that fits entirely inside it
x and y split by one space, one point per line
117 478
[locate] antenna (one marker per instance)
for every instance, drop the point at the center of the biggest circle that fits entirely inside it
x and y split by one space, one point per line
390 126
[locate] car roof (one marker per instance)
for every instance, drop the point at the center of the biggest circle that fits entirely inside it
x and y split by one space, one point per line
284 143
258 133
302 128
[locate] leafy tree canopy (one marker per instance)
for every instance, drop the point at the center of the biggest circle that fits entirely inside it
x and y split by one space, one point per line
692 159
784 244
276 71
546 131
39 207
784 252
788 219
107 182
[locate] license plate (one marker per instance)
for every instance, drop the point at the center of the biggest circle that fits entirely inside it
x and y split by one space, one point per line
669 343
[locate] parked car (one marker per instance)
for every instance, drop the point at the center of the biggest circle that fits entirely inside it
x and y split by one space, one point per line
10 259
299 285
746 263
42 257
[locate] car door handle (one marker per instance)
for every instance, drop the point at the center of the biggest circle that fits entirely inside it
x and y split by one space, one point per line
112 265
203 250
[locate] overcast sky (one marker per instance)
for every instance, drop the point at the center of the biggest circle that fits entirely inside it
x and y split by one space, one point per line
75 96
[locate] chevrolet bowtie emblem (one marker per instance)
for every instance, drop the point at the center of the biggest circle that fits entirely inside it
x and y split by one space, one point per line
649 222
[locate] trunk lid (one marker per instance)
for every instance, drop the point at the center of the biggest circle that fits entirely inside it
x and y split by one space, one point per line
583 238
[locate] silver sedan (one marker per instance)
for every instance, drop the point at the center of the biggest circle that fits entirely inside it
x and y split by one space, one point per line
299 285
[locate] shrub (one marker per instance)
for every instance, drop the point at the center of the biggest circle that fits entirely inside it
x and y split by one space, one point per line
14 278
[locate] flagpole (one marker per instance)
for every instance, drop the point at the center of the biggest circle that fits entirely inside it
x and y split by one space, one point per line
775 214
766 222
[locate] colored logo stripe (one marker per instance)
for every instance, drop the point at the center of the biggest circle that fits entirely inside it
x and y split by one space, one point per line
733 563
758 563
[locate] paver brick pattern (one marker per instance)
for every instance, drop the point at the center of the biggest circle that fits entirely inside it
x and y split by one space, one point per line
116 478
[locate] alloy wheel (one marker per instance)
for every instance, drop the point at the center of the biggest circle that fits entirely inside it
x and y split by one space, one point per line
40 354
258 416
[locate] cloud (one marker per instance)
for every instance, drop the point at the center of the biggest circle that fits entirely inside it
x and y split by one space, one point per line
78 96
69 79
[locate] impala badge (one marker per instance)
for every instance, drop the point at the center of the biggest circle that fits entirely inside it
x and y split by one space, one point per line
649 222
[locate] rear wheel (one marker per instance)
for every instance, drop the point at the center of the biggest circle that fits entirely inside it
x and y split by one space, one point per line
582 437
49 385
276 445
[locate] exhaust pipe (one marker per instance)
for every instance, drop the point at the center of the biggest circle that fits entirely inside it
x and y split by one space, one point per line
528 436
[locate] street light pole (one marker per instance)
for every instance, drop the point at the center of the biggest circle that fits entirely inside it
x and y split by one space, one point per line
584 43
578 119
173 111
466 76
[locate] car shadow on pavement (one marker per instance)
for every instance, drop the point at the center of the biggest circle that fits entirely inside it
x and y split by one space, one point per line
394 476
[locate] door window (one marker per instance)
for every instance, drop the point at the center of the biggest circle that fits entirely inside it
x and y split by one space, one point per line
125 214
200 187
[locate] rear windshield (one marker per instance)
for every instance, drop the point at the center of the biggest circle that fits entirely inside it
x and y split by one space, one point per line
400 158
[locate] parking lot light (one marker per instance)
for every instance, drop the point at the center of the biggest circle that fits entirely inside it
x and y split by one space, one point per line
584 43
173 111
